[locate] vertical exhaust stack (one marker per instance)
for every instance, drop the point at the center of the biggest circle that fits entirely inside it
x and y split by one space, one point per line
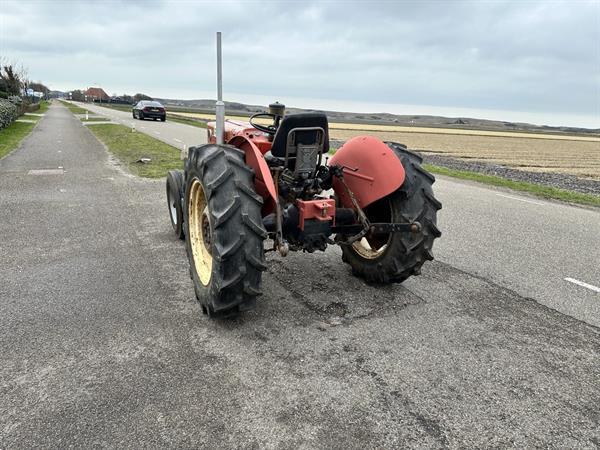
219 106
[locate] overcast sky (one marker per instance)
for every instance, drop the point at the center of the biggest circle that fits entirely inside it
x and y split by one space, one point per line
514 60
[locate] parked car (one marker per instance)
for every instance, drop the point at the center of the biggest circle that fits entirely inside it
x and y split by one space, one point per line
147 109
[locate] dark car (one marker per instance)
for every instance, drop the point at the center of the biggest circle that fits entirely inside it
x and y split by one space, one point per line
147 109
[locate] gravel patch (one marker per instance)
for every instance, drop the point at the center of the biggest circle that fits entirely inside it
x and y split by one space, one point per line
557 180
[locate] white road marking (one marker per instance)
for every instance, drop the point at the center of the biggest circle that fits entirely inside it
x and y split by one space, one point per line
177 140
520 199
157 132
582 284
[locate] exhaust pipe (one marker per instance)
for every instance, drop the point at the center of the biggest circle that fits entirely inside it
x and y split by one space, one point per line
219 106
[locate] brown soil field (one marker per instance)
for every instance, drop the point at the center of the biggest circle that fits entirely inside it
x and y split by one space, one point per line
574 155
579 158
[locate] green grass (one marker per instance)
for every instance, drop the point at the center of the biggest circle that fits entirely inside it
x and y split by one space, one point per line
26 116
534 189
192 122
43 107
12 135
126 108
130 146
74 108
95 119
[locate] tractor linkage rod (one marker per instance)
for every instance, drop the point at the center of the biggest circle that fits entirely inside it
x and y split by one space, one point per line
338 171
379 228
365 226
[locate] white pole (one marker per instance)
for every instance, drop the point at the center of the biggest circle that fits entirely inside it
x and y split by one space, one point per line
220 106
184 153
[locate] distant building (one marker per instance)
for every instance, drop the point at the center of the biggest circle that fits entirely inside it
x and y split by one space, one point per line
96 95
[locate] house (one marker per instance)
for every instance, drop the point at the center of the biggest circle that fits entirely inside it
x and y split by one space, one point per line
96 95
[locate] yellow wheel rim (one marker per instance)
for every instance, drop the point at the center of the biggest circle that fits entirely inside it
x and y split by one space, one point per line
365 249
200 234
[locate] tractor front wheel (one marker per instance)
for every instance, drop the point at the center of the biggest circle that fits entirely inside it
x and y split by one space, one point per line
224 230
393 257
174 197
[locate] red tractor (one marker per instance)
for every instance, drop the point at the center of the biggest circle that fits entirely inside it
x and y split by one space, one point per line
275 182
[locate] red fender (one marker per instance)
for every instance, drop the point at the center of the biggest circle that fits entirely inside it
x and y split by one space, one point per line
263 181
379 171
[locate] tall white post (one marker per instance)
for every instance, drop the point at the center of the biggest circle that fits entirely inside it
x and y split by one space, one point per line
220 106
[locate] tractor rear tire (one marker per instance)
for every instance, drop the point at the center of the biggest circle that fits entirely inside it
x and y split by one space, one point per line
175 192
392 258
224 229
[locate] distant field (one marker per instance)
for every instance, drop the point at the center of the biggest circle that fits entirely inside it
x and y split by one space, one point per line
575 155
427 130
579 158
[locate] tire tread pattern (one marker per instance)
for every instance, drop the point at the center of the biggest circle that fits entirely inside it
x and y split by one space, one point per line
238 232
406 253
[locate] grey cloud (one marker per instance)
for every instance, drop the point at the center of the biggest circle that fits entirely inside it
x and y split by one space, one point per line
523 56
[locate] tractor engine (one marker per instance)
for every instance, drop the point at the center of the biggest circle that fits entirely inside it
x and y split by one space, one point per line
295 161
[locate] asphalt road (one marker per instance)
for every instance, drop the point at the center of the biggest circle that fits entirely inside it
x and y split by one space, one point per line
173 133
103 344
524 243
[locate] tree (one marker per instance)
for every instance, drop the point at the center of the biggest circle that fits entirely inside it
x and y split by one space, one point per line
77 95
10 81
138 97
39 87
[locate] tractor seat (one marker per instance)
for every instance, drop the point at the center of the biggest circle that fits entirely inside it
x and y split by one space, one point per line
303 137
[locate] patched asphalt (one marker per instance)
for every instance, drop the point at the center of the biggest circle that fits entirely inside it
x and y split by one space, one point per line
102 342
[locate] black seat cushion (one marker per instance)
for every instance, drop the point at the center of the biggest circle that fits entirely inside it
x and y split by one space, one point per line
302 120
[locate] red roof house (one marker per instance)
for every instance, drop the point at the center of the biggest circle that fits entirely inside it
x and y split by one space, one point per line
96 94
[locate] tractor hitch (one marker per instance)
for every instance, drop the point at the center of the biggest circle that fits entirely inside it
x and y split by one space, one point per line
358 231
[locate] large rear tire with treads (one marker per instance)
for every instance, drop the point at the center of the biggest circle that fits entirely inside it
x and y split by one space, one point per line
393 257
224 229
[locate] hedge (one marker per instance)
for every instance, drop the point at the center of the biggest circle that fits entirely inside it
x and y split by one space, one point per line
8 113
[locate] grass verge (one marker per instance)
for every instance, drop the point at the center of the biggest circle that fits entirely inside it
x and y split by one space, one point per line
95 119
43 107
130 146
12 135
74 108
531 188
192 122
27 116
118 107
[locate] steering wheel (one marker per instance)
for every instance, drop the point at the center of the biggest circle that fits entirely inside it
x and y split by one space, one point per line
269 129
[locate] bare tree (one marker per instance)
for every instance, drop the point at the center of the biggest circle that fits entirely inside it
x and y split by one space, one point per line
13 78
39 87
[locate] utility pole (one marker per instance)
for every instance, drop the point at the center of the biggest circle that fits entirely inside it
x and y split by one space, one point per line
220 106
